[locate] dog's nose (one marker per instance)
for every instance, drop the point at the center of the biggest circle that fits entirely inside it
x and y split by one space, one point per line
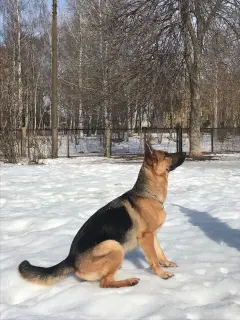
183 155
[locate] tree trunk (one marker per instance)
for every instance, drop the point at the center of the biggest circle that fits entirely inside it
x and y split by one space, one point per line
215 101
54 111
35 110
129 121
103 48
129 113
80 81
21 111
192 56
195 113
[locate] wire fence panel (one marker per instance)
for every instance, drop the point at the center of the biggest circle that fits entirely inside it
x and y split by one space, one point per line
215 140
166 139
126 143
83 142
226 140
75 143
39 144
10 144
78 142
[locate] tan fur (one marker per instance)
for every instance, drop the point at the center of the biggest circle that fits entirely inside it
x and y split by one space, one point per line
101 263
131 241
147 244
149 215
161 256
147 218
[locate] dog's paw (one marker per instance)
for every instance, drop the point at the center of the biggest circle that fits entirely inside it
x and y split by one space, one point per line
168 264
133 281
166 275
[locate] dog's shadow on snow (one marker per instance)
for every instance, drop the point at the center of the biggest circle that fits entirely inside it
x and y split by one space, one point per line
137 258
214 228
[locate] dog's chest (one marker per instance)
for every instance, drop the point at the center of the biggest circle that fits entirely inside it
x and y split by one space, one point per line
152 214
155 219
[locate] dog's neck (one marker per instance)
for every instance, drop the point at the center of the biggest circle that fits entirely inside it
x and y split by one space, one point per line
149 194
150 185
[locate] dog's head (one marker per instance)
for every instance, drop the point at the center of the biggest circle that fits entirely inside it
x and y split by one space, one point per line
160 161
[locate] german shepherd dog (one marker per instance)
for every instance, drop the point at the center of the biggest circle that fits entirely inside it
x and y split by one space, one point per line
131 220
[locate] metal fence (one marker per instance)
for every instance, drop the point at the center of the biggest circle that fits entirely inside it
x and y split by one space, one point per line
79 142
123 142
215 140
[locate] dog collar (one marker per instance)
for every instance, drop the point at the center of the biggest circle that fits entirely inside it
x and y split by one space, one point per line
155 197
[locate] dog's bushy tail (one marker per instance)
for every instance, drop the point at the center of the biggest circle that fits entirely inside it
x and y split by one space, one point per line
43 275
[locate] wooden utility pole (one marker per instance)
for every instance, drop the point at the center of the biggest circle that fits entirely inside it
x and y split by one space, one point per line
54 112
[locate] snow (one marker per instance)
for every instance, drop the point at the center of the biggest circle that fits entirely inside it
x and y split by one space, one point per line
43 206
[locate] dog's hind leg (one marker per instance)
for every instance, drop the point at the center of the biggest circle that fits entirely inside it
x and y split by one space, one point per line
101 263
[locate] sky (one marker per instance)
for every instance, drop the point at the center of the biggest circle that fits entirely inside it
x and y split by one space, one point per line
61 4
61 7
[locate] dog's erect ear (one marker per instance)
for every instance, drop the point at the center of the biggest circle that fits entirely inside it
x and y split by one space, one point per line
148 150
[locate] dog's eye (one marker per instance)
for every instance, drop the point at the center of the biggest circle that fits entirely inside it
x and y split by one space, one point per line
166 154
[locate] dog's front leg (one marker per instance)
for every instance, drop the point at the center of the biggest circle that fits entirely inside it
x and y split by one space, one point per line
161 256
146 242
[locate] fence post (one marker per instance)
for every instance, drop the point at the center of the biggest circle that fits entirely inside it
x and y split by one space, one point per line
144 131
68 148
23 141
28 143
179 138
212 135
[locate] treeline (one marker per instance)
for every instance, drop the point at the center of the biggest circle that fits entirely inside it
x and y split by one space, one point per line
122 64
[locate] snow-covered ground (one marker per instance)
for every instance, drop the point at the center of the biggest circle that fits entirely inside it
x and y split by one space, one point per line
43 206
